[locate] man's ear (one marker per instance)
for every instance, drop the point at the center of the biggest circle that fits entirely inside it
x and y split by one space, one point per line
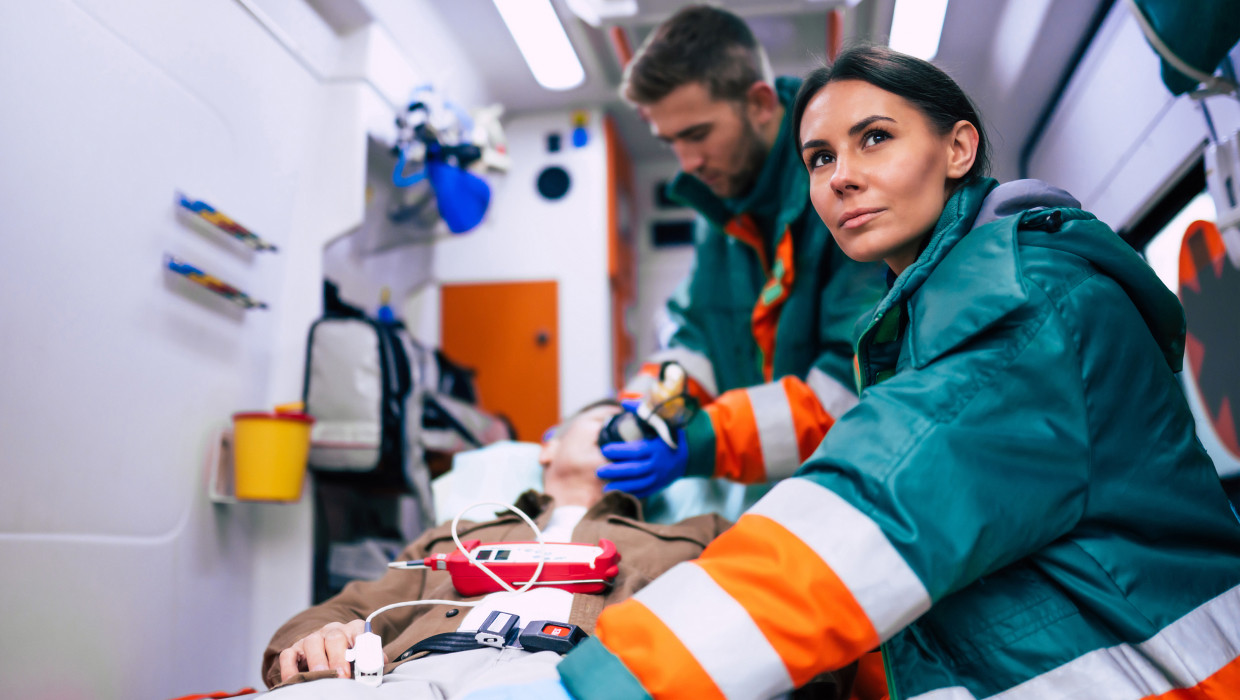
761 103
962 143
547 451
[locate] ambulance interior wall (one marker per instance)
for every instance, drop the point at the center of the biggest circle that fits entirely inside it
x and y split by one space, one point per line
120 578
660 269
528 237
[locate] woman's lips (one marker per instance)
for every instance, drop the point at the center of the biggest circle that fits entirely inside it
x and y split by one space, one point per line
858 217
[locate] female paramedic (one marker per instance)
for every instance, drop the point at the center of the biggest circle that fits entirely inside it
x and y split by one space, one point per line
1018 506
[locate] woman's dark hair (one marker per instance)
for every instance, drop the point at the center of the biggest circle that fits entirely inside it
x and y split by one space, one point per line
931 91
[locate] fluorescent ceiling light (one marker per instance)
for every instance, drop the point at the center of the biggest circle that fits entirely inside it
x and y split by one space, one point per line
917 27
543 43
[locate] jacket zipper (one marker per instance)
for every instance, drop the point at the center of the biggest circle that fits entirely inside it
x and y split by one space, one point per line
891 688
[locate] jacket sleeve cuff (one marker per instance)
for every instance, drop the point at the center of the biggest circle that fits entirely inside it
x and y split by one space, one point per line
700 434
591 672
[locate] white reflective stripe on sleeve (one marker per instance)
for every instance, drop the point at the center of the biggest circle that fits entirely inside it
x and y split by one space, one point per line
717 631
834 396
1182 655
696 364
639 384
854 547
776 433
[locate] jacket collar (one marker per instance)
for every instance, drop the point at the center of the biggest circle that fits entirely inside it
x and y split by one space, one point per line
978 273
535 504
781 177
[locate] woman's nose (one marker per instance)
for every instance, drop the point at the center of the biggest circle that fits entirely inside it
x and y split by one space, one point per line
844 176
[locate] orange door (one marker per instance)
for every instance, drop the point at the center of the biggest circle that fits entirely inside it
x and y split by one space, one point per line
508 333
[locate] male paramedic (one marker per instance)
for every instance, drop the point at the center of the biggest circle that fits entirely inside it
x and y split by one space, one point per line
432 649
764 323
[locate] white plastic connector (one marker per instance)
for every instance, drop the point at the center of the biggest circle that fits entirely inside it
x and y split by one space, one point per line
367 657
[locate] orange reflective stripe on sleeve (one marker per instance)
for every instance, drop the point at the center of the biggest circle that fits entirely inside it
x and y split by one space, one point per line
1223 684
810 419
738 450
802 607
652 653
765 432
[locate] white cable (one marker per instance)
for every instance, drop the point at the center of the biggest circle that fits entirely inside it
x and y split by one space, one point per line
409 603
485 569
470 556
1213 83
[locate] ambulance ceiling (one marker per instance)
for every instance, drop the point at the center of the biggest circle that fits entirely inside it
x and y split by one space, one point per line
1009 55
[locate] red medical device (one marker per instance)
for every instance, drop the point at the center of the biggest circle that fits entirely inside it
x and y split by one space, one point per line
569 566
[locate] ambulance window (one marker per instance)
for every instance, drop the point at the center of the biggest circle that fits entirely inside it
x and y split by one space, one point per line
483 555
1163 250
1210 375
502 555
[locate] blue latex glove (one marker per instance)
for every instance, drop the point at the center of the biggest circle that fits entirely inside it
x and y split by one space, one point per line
550 689
644 467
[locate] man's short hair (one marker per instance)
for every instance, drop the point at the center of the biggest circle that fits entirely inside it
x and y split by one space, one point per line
699 44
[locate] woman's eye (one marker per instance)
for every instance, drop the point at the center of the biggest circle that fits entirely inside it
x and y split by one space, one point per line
875 137
820 159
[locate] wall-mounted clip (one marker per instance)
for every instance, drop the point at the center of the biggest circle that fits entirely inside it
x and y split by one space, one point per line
221 222
213 283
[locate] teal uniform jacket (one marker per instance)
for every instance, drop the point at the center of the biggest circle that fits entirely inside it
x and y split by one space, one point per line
1018 507
770 296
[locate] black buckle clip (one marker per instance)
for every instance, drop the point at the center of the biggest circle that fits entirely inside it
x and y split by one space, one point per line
496 629
547 635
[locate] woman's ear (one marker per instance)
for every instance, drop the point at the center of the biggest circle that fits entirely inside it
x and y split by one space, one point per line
962 143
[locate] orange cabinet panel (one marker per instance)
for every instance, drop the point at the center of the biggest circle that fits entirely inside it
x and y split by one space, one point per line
508 333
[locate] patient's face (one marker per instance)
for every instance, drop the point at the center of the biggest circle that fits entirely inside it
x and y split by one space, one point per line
572 452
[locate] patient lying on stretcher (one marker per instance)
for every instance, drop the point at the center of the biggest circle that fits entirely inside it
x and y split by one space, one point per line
572 507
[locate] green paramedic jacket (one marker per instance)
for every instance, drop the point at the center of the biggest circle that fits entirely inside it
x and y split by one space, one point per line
1019 506
770 309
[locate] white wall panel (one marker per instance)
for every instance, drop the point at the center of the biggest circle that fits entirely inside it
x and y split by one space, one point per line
122 580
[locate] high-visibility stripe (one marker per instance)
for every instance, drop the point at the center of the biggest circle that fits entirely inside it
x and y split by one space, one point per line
776 431
697 365
834 397
1194 657
764 320
653 653
810 420
1223 684
802 607
744 229
639 385
717 631
738 449
854 547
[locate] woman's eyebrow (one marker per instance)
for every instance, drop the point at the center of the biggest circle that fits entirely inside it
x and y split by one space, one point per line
861 125
816 143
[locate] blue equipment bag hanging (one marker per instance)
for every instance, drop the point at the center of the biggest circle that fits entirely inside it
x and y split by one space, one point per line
463 197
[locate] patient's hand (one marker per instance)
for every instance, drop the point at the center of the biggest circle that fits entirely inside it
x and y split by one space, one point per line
322 650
